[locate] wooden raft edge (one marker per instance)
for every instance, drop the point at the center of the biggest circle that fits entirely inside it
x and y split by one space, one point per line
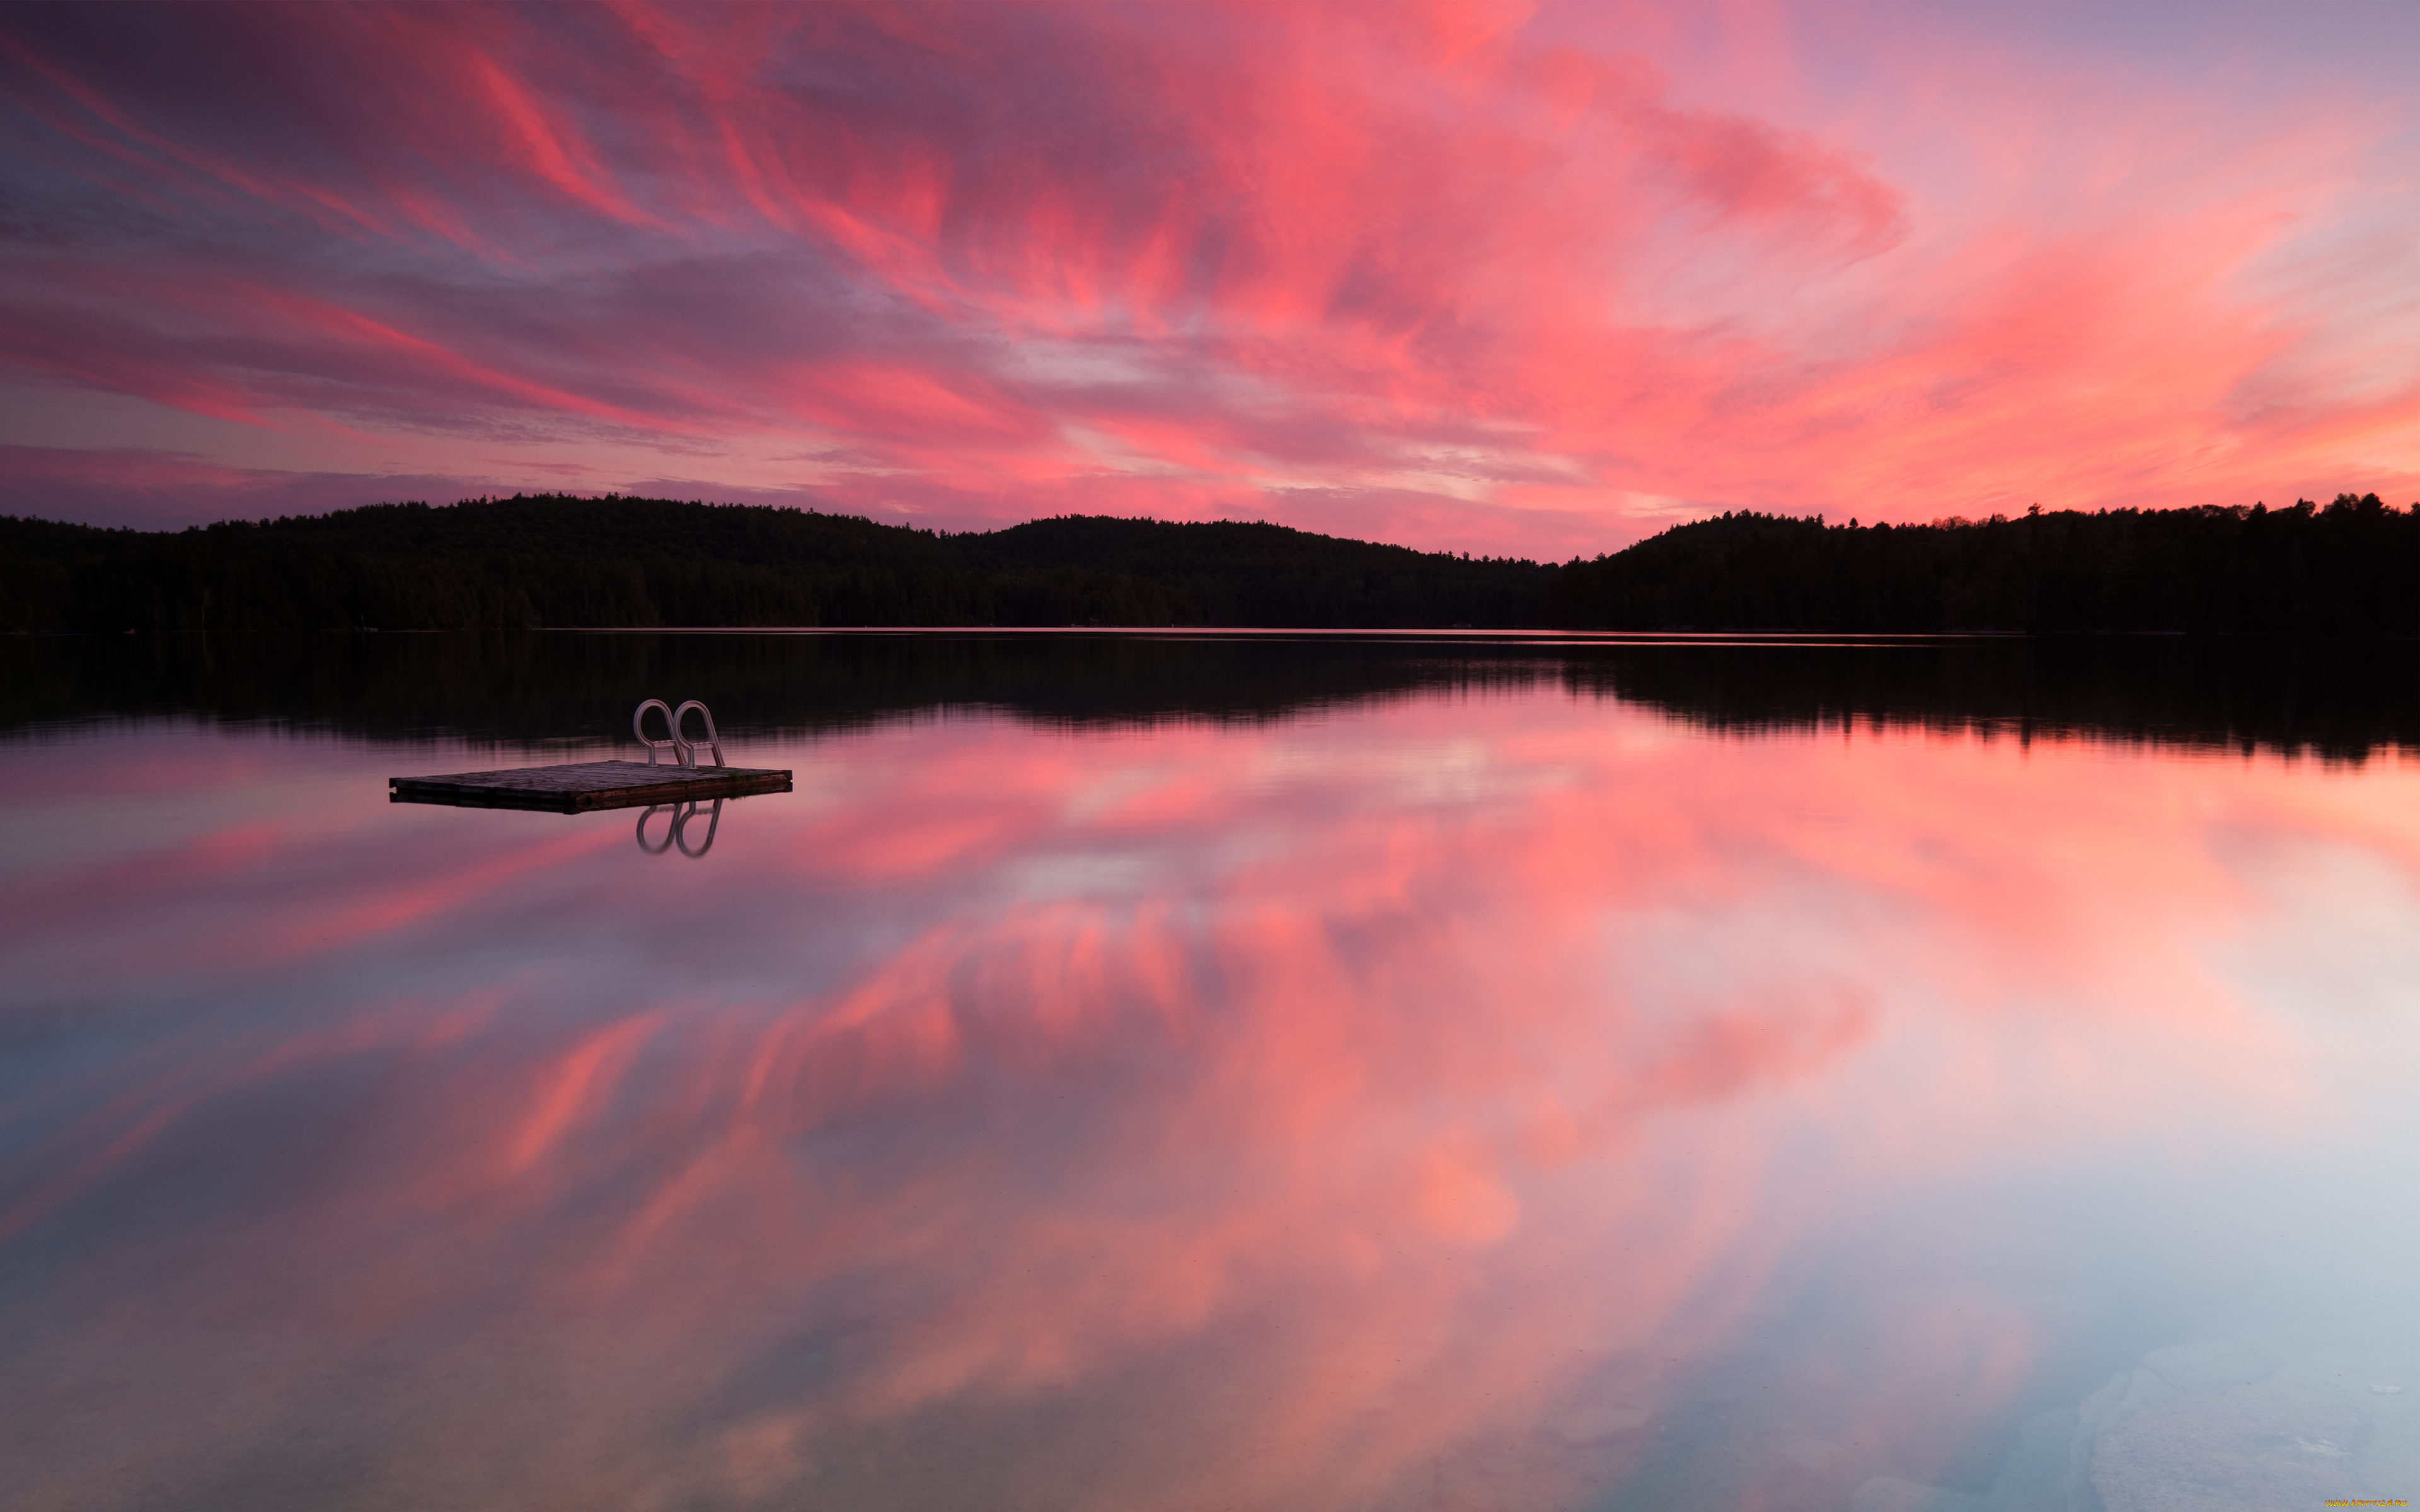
454 792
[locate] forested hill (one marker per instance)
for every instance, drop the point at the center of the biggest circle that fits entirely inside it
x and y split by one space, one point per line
2349 567
615 562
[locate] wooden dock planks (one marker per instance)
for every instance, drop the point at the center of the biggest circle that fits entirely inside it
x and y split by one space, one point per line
578 787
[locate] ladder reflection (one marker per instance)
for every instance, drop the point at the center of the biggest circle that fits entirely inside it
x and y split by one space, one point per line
676 831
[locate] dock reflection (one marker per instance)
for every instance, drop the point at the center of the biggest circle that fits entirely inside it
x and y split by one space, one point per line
676 834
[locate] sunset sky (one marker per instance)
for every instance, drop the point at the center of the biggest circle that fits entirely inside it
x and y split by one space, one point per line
1485 277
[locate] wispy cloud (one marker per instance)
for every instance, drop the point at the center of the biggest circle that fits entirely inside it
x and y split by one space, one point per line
1460 275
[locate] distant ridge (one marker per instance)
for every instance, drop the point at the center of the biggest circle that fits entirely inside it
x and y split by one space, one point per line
2351 567
559 561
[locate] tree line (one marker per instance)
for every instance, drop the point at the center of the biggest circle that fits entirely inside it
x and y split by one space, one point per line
562 562
2349 567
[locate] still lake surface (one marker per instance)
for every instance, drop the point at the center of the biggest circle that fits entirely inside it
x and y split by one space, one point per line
1214 1073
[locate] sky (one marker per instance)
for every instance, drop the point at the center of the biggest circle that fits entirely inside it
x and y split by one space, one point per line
1499 278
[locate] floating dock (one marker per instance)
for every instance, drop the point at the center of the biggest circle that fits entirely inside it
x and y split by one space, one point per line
581 786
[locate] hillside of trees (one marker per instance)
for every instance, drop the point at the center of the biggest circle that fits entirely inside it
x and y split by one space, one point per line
2351 567
552 561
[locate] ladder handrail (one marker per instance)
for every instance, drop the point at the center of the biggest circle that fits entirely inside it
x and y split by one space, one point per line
682 750
637 717
688 747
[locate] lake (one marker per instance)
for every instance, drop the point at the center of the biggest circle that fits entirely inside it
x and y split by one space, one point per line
1213 1071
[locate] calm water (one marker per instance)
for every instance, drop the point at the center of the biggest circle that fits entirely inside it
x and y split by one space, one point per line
1213 1074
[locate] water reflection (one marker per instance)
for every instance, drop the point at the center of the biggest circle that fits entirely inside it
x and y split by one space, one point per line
535 691
1496 1094
676 828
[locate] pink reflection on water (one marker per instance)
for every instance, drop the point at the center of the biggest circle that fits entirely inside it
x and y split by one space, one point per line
1409 1105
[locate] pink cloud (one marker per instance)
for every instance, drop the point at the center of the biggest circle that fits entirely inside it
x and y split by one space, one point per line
1469 276
168 490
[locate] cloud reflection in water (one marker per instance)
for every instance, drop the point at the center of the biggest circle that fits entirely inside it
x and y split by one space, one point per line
1462 1101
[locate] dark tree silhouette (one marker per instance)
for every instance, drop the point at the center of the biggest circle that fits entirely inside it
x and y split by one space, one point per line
2349 568
555 560
2352 568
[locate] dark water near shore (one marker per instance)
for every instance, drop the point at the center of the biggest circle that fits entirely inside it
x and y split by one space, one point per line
1214 1071
2339 698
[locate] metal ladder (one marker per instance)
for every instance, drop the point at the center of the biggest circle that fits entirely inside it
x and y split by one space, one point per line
683 749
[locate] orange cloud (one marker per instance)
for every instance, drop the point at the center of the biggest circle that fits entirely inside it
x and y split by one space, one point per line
1494 278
